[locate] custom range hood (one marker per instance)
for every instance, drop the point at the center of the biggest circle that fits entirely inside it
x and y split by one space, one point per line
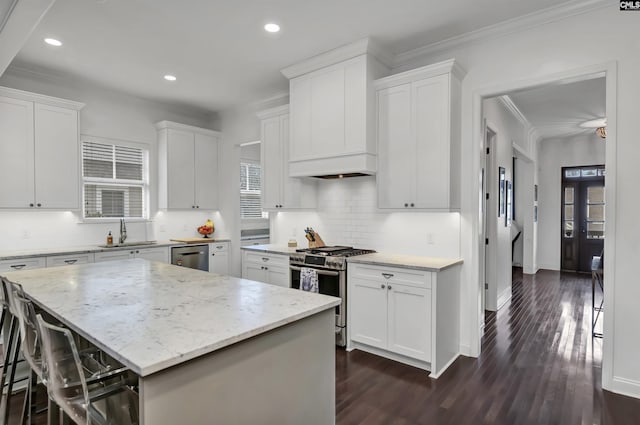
332 112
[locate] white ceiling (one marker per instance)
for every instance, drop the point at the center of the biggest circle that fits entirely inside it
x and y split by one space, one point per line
558 110
218 49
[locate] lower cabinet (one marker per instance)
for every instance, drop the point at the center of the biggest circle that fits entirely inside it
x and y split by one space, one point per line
391 309
267 268
67 260
408 315
160 254
219 257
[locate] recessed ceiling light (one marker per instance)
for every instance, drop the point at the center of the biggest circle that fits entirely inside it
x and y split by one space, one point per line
271 27
53 42
170 77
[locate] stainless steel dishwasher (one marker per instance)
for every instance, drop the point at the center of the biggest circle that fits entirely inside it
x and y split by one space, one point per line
193 256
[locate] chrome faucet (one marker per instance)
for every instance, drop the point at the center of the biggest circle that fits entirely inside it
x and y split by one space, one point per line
123 231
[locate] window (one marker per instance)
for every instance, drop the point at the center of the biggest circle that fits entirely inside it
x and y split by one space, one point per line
114 180
250 194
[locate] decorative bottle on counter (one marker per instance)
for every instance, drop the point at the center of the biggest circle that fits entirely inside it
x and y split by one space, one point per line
109 238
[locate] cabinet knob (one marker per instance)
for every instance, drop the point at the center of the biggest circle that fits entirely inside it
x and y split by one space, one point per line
193 206
389 287
197 206
266 268
412 205
137 252
213 254
31 205
130 252
382 286
406 205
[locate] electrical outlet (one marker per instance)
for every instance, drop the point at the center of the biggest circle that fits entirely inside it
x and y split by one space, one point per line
430 238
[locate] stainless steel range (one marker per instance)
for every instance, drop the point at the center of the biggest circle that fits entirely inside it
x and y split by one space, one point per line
330 263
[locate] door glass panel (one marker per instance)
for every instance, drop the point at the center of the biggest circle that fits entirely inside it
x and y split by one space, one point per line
595 195
572 173
568 229
589 172
595 212
568 195
568 212
595 230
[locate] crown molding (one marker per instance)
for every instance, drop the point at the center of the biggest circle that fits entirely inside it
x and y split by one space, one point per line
444 67
521 23
515 111
339 54
271 102
162 125
41 98
273 112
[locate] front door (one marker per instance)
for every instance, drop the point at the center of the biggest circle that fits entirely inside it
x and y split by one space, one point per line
583 220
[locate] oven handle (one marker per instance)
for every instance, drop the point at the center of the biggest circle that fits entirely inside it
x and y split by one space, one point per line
322 272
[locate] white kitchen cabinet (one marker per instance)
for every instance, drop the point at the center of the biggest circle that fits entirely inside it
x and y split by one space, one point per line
219 257
69 259
409 315
418 115
332 111
22 264
39 164
188 167
160 254
267 268
278 189
391 309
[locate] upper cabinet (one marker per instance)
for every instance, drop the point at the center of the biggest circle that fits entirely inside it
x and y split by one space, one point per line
332 104
418 133
39 151
188 167
278 189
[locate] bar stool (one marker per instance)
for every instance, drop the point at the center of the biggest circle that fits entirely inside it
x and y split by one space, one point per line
84 401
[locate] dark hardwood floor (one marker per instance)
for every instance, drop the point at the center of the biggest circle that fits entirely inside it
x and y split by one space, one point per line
539 365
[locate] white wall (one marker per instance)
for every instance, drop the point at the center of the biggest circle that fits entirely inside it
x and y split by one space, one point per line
508 130
555 154
347 215
113 115
499 64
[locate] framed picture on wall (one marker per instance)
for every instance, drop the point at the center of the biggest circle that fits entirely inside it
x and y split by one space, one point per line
509 206
502 188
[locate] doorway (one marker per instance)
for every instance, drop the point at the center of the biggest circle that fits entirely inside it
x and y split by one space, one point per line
583 217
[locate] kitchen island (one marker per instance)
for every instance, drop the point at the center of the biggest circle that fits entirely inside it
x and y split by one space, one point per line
206 348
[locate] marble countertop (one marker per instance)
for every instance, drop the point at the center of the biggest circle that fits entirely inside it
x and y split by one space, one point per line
406 261
151 316
83 249
271 248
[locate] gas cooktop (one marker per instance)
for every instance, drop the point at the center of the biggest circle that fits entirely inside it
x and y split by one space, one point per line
342 251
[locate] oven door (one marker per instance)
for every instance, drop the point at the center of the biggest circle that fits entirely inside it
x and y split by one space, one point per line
330 282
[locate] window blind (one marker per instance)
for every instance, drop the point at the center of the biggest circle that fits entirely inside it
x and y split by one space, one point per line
114 182
250 191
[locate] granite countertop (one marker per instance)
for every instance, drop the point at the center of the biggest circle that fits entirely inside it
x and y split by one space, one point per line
406 261
271 248
151 316
83 249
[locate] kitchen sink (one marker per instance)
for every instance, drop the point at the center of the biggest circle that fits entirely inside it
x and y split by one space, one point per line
125 244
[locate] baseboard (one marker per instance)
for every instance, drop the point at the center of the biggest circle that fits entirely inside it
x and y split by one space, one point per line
465 350
553 267
623 386
436 375
504 297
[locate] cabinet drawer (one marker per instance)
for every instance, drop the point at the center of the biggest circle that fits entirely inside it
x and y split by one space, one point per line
272 259
22 264
396 275
218 247
66 260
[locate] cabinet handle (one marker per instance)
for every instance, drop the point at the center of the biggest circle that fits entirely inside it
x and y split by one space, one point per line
70 261
389 287
220 247
18 266
265 259
387 275
382 286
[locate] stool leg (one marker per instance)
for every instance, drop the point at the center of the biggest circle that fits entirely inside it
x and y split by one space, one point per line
16 353
4 415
